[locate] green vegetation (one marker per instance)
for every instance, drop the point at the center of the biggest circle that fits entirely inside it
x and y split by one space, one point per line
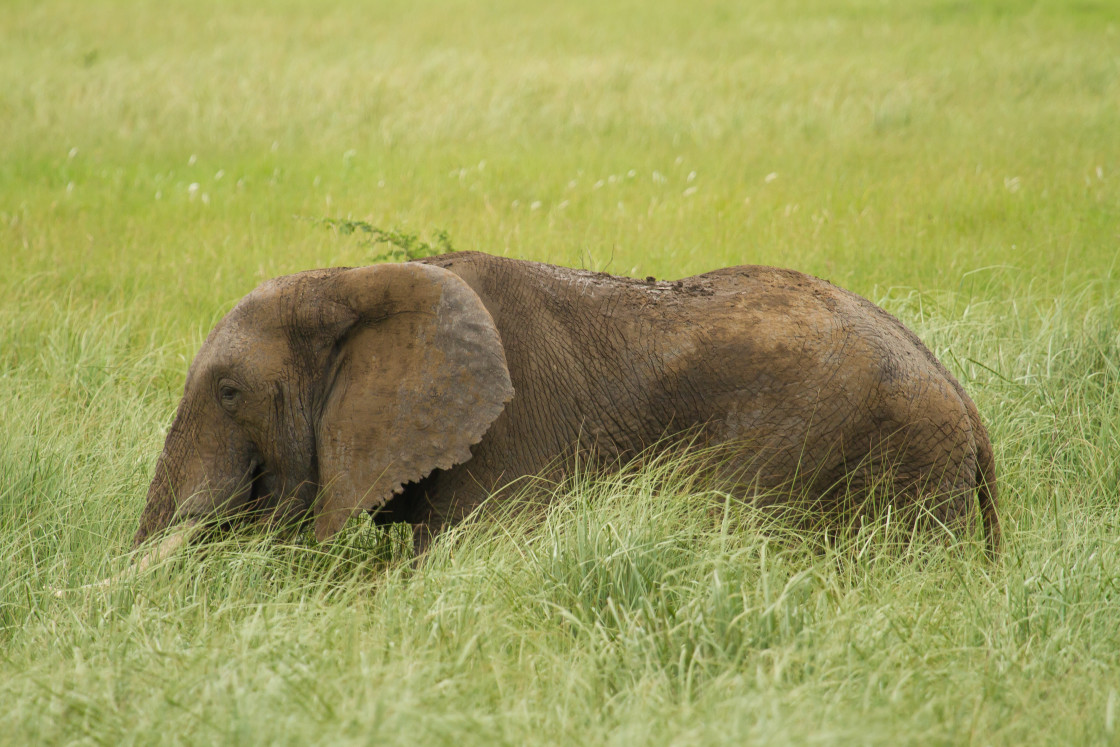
956 162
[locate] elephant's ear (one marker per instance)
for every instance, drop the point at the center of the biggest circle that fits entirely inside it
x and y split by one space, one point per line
420 375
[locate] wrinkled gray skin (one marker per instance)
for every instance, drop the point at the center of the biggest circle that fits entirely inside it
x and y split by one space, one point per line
416 390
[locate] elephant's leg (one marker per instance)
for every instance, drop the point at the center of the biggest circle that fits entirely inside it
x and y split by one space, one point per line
414 506
947 497
423 535
927 472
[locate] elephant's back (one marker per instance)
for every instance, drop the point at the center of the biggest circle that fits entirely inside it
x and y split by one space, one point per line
793 302
829 379
810 319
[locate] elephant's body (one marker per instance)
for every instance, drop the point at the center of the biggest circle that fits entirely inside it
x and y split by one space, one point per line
817 392
418 390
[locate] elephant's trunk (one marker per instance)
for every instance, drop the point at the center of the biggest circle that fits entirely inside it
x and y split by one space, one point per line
160 506
204 472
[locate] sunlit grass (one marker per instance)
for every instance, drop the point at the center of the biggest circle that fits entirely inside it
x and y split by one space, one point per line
956 163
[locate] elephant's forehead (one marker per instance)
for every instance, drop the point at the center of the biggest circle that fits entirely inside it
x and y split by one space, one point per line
234 346
271 295
247 355
261 326
254 325
283 300
256 315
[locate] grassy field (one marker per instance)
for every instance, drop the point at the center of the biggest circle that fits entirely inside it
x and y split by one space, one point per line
958 163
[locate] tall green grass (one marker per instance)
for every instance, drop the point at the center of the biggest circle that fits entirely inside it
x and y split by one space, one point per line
956 163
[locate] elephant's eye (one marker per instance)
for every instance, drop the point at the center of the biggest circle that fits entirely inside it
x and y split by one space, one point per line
228 395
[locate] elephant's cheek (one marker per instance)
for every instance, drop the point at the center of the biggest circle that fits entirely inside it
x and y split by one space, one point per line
275 501
265 493
220 499
291 506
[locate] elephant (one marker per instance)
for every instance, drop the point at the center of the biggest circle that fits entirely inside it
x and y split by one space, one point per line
417 391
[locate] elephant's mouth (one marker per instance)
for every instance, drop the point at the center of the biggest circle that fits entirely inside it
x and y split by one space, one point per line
248 499
257 490
262 488
271 499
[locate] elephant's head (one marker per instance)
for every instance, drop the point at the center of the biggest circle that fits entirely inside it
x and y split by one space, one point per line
322 393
